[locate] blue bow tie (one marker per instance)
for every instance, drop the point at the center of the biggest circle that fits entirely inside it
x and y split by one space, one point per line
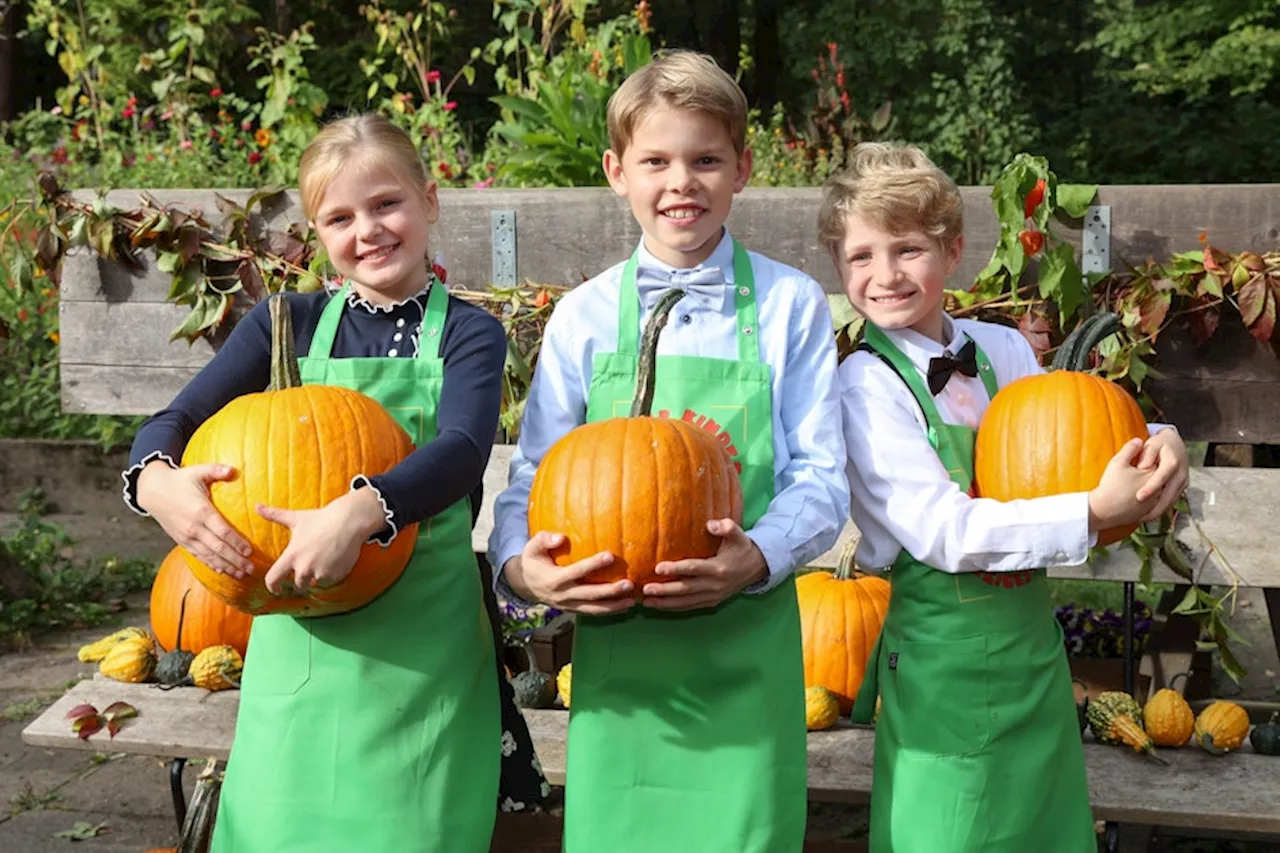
706 284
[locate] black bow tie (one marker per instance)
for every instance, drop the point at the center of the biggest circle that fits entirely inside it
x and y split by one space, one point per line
941 368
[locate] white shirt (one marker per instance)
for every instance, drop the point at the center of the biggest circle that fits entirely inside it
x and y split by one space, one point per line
902 497
795 336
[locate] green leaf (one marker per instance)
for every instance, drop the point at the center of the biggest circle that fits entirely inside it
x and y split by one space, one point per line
842 311
20 272
1060 279
168 262
204 75
1075 199
82 830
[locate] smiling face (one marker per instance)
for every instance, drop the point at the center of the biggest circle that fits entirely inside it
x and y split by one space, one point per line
375 229
679 172
896 280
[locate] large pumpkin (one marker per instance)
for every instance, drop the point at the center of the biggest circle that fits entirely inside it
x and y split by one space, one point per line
840 619
298 447
1054 433
640 487
208 621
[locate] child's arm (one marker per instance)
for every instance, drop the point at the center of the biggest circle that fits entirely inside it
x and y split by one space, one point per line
555 404
811 501
899 483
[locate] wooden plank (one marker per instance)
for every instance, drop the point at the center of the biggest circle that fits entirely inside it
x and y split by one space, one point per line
92 389
1196 790
128 335
560 232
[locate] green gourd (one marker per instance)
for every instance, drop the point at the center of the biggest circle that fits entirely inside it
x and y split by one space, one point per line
533 688
1265 737
173 666
1116 717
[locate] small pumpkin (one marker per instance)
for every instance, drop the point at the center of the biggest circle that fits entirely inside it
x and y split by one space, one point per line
297 446
1265 737
821 708
1168 718
132 660
215 668
564 679
1054 433
173 665
94 652
207 620
1115 717
841 615
533 688
1221 727
642 488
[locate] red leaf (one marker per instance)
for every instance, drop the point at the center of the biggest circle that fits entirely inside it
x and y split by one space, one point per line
85 726
79 711
1153 309
1252 299
114 726
1204 324
119 711
1035 328
1265 325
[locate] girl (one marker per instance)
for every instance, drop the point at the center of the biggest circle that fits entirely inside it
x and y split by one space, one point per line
376 729
977 744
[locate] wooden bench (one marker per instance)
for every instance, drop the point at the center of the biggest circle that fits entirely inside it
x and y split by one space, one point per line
1236 793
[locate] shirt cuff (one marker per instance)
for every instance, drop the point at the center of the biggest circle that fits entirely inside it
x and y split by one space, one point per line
384 536
777 558
1067 540
503 589
135 471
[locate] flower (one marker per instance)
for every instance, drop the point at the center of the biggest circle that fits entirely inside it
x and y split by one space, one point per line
57 111
215 92
433 76
185 144
262 136
483 185
450 106
254 158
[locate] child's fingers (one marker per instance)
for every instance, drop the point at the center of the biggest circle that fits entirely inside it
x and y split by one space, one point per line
685 568
598 592
574 572
215 553
692 601
279 572
599 608
1125 455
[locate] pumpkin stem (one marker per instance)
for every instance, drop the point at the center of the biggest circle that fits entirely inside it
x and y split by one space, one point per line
1074 352
646 374
182 616
844 566
284 358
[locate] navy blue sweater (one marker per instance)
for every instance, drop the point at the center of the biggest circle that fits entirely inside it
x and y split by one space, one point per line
437 474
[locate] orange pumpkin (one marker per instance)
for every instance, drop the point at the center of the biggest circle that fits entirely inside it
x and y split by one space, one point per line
640 487
1054 433
840 619
298 447
209 621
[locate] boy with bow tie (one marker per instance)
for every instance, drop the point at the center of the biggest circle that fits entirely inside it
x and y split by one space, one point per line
977 744
688 712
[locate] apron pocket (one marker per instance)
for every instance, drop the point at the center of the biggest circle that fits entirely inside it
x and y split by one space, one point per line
278 660
942 701
593 649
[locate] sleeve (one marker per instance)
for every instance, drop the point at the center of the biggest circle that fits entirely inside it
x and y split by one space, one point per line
555 404
447 468
241 366
898 482
811 500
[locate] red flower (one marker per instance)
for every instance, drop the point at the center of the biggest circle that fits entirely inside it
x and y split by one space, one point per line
1032 241
127 112
255 157
433 76
215 93
451 105
22 315
59 155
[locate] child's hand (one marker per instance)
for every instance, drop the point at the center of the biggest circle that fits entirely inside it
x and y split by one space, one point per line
1115 502
534 576
1165 454
737 564
178 499
324 543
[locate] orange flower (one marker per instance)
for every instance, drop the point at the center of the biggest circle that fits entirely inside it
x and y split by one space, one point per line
262 136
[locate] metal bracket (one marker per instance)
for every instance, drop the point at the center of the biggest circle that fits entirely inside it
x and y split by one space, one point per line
503 233
1095 247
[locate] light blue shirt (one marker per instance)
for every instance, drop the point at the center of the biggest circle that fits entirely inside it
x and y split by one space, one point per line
811 495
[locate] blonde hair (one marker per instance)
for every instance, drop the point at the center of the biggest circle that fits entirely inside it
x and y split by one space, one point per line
682 79
367 140
895 188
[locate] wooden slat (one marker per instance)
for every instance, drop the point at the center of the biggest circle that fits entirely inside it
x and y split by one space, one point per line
128 335
91 389
1236 792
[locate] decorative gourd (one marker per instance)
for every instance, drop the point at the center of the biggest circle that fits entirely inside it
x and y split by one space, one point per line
533 688
821 708
209 621
1168 718
173 665
197 827
132 660
642 488
215 668
1265 737
97 650
840 618
1054 433
564 679
1221 727
1115 717
298 447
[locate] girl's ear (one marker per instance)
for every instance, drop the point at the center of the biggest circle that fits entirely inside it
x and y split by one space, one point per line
431 201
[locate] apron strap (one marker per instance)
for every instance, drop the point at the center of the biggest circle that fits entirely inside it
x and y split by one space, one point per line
744 298
429 333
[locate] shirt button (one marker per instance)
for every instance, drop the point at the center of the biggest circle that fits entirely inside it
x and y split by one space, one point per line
391 353
400 323
397 337
686 319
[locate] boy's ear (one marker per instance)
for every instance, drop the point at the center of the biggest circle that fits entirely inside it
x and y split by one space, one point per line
745 160
955 252
613 171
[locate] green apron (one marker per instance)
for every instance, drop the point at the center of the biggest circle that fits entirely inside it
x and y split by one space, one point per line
375 729
977 742
687 729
